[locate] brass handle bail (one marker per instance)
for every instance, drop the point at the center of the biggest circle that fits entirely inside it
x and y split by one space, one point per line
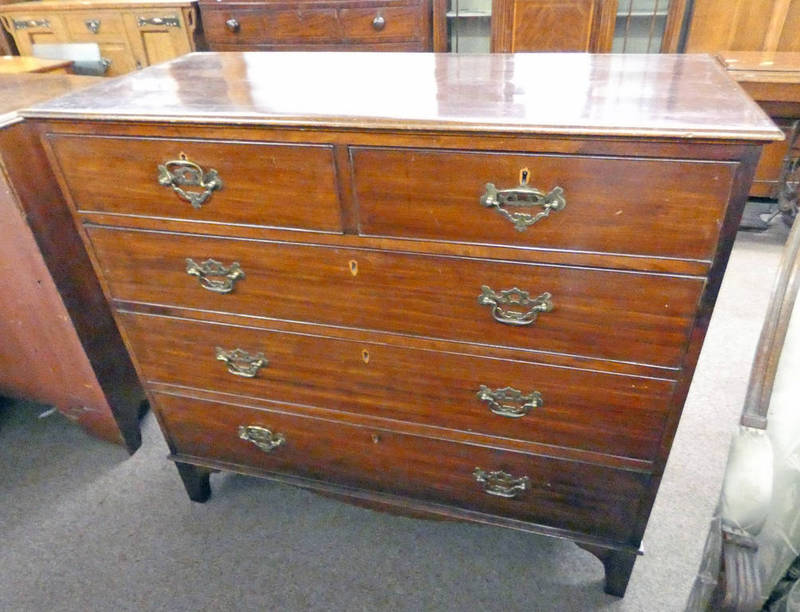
524 196
180 173
501 484
515 306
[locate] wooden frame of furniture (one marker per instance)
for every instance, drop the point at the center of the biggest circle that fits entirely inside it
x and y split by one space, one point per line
131 34
60 343
402 290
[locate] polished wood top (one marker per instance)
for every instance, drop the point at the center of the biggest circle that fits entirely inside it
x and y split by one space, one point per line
673 96
46 5
20 90
17 64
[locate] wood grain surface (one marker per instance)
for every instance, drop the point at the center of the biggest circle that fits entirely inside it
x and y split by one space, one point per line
606 413
597 313
563 494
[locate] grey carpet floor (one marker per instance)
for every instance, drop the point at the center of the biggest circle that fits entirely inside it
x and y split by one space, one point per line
85 527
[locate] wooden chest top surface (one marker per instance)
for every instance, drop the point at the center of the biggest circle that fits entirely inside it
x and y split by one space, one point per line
647 96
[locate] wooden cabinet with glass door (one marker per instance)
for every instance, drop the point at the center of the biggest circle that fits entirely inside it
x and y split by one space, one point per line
632 26
130 34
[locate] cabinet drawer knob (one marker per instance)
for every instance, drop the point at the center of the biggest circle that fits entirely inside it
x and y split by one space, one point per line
232 25
378 23
501 484
510 402
214 275
262 437
93 25
242 363
524 196
180 173
515 306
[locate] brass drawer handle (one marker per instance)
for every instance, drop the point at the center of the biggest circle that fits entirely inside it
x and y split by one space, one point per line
510 402
379 23
24 24
233 25
262 437
168 22
242 363
214 275
501 484
504 303
180 173
523 196
93 25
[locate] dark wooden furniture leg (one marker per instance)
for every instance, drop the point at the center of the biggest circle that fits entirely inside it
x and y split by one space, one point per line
196 481
618 565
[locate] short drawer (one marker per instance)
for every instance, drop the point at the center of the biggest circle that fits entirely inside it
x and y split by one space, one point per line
575 496
616 415
598 313
383 23
613 205
262 26
91 25
257 184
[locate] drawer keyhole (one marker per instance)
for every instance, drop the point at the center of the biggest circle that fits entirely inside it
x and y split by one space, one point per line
365 356
353 265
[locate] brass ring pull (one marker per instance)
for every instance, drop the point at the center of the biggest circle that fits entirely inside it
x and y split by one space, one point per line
501 484
504 303
523 196
213 275
262 437
180 173
510 402
242 363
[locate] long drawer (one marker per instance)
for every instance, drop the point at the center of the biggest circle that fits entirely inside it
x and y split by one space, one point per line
261 184
581 497
437 195
598 313
612 414
249 25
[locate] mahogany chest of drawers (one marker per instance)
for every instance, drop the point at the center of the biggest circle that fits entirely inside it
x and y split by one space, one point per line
442 290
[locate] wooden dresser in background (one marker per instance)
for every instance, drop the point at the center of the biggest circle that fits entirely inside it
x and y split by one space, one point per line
131 34
317 25
434 289
60 345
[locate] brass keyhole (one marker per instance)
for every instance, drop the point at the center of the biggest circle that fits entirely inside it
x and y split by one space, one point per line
365 356
376 438
353 264
182 156
524 175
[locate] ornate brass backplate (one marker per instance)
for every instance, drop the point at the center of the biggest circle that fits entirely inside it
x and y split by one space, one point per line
24 24
240 362
523 196
168 22
262 437
181 173
504 305
214 275
501 484
510 402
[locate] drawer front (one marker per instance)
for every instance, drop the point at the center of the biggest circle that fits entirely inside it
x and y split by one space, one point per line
379 24
613 205
90 26
580 497
616 415
272 185
270 26
597 313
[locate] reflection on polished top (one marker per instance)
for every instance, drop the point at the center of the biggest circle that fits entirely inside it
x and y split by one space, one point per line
645 95
20 90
